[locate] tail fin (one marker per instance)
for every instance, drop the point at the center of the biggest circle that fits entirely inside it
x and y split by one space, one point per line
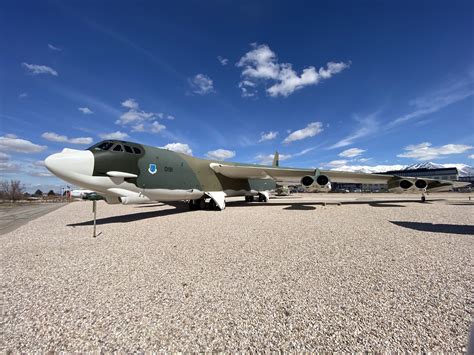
276 159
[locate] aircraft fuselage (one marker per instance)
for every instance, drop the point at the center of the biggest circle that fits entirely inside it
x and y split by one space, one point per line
117 168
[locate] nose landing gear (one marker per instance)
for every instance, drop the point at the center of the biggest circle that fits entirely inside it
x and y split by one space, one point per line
202 204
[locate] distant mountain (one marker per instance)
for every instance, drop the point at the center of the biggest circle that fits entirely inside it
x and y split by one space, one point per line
463 169
426 165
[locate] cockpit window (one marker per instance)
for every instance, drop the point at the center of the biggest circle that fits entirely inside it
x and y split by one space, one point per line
118 148
105 146
137 150
128 149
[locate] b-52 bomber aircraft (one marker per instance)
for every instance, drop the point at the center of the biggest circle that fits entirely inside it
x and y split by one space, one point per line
131 173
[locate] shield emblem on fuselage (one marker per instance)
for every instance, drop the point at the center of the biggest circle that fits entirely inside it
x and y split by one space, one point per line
152 169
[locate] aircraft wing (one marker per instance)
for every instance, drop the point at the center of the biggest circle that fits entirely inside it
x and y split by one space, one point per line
261 172
294 175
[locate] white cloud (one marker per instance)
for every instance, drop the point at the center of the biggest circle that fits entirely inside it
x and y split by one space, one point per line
222 60
367 125
6 166
351 153
40 174
157 127
134 116
4 156
138 128
54 48
220 154
130 103
436 101
12 143
201 84
310 130
268 136
336 163
140 119
268 159
425 151
23 95
471 156
36 69
179 147
114 135
54 137
85 110
9 167
261 64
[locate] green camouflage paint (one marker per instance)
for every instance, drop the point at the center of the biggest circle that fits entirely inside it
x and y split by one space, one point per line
173 170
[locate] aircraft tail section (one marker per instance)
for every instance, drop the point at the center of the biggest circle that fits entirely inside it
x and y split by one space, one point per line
276 160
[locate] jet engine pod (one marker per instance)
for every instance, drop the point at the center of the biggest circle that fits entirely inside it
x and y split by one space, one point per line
405 184
421 184
400 185
322 180
315 184
307 181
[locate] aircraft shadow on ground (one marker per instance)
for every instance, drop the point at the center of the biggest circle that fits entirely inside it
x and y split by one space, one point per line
132 217
309 205
437 228
181 207
148 205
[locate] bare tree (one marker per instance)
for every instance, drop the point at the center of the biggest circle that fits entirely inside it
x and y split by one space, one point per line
4 188
11 190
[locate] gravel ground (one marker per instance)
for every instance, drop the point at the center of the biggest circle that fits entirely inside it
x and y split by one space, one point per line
290 275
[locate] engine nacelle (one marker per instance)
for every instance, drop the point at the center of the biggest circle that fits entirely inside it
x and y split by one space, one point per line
316 184
421 184
404 185
134 200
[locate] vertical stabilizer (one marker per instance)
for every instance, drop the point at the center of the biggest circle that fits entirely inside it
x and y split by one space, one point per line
276 159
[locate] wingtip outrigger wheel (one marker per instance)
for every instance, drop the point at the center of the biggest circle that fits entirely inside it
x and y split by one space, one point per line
423 197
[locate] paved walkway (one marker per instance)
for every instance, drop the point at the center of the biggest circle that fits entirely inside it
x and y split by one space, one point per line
13 216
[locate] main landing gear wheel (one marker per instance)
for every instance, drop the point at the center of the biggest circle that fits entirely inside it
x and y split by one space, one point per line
197 204
249 198
202 204
262 198
212 205
192 205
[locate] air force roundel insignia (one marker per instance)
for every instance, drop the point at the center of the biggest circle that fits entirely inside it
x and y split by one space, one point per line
152 169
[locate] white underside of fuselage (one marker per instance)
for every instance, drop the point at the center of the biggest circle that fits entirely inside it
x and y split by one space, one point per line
114 188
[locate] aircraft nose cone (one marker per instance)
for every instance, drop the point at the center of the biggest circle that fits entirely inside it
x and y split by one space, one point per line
70 163
51 162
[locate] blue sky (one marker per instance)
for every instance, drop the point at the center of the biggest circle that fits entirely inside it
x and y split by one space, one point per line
336 84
